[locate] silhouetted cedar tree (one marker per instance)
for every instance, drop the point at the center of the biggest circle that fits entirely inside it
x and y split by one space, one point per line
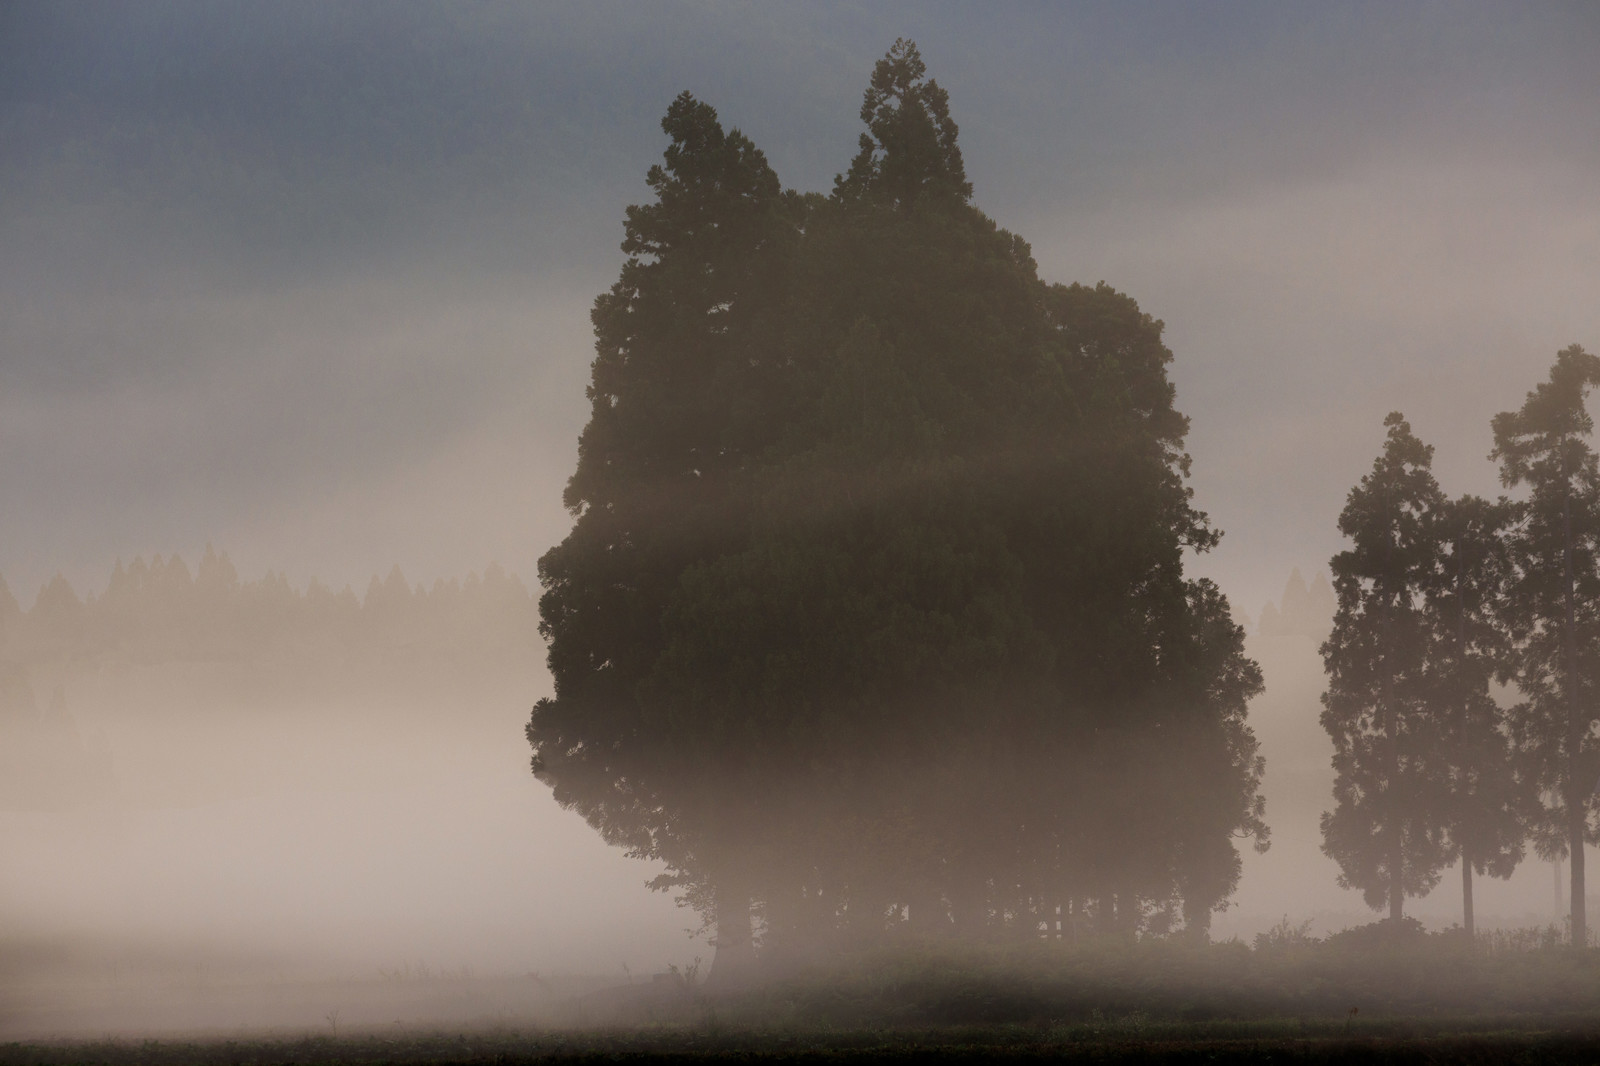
1486 798
1553 603
681 398
873 614
1384 831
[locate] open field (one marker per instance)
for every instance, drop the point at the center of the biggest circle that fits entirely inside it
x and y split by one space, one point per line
1553 1041
1429 1000
976 1045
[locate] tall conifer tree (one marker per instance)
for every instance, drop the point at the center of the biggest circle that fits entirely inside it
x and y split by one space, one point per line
1553 604
1382 832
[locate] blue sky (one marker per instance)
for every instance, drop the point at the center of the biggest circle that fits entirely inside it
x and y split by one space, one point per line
311 281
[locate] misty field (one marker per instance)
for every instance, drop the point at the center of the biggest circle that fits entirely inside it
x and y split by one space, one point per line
1363 995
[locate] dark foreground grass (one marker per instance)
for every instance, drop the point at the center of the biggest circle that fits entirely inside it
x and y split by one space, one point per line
942 1045
1427 1000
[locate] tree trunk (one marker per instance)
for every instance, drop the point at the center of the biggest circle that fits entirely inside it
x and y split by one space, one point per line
1578 902
1128 914
970 898
1197 920
866 913
1397 884
1466 712
1391 729
926 914
790 934
1576 797
734 961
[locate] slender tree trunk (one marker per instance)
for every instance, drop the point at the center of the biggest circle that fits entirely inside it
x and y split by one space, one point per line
1397 886
866 917
1128 913
1576 798
1197 920
1391 729
789 935
1466 711
969 911
1578 901
925 914
734 962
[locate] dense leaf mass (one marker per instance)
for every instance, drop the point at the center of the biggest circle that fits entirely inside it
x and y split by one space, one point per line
873 614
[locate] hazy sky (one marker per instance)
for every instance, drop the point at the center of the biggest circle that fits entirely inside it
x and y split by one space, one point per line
312 280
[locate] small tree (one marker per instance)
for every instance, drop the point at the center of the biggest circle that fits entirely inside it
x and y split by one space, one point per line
1553 603
1381 831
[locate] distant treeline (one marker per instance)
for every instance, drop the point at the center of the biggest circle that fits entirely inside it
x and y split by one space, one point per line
1303 610
45 761
159 612
160 636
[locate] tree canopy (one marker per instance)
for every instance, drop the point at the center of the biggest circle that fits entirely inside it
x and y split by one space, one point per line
873 614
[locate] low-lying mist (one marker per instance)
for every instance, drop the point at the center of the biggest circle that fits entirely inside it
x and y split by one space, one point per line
209 841
236 806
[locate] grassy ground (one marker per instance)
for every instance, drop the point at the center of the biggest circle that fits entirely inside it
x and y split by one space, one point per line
949 1045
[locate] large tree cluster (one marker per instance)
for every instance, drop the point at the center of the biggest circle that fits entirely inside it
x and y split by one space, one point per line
1438 599
873 615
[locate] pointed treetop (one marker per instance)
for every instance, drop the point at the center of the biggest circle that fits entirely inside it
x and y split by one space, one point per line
1294 590
1387 516
910 148
1552 418
1404 466
706 172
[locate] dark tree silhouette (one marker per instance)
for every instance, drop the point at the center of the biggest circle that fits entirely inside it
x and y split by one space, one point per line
1553 606
873 614
680 401
1383 832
